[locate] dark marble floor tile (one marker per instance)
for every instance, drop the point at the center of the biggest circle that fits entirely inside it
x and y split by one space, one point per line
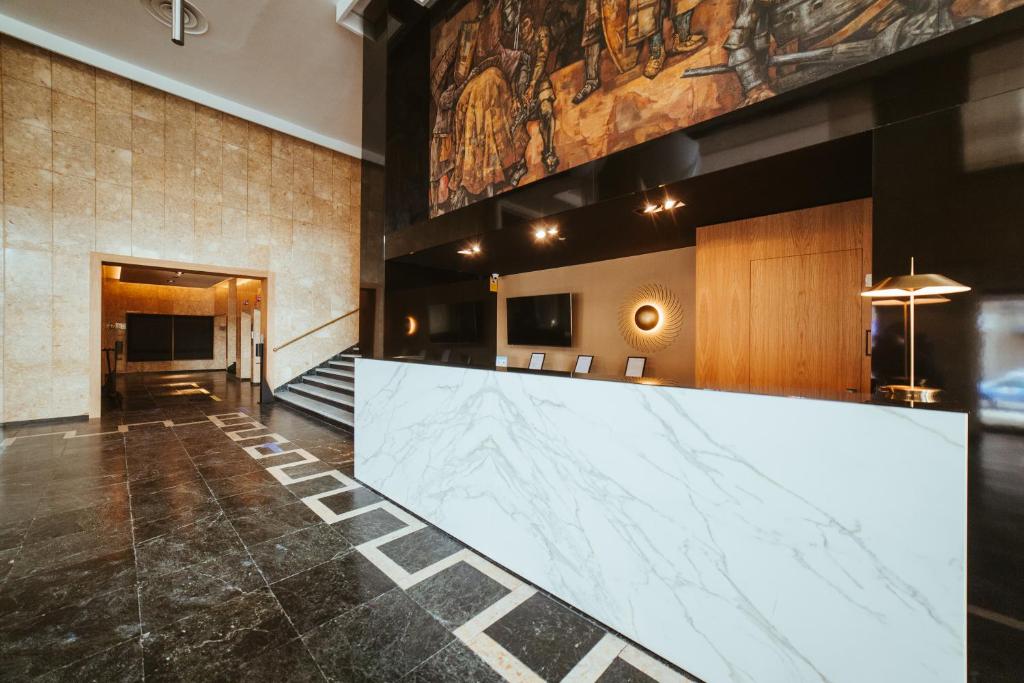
457 594
257 500
7 560
455 662
148 530
546 636
165 480
240 464
308 468
218 643
314 487
290 662
55 587
270 523
192 495
282 557
157 468
421 549
61 497
66 550
621 671
170 597
368 526
198 542
119 664
329 589
32 646
101 520
14 528
382 640
350 500
242 483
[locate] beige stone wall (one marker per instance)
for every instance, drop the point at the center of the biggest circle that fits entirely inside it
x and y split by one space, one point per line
121 298
94 163
598 291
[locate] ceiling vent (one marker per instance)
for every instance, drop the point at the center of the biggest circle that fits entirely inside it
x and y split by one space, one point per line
195 21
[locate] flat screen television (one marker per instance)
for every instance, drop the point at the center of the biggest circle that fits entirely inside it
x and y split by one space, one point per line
540 320
457 323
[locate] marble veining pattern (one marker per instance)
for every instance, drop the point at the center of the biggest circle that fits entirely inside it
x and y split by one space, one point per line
744 538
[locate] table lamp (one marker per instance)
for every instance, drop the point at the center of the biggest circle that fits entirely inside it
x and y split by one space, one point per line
917 289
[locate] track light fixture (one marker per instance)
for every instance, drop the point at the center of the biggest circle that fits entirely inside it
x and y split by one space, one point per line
471 250
651 208
543 234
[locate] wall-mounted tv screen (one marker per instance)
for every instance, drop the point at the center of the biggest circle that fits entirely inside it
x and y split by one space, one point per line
153 337
457 323
540 320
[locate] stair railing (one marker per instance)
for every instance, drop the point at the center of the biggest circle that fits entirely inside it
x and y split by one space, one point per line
315 329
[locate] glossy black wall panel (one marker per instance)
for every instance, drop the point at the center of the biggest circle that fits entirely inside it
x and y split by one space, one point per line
957 208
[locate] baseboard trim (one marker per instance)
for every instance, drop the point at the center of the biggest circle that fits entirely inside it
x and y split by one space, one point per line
45 420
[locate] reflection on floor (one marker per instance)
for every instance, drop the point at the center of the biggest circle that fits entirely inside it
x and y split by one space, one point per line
995 562
196 535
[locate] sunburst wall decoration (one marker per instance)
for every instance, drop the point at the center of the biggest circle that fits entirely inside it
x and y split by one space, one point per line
650 318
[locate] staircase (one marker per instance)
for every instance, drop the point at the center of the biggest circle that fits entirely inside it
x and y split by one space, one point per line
327 391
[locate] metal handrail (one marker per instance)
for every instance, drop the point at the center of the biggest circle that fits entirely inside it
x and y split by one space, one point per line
315 329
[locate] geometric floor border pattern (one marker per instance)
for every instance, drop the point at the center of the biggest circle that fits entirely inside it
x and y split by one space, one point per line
239 427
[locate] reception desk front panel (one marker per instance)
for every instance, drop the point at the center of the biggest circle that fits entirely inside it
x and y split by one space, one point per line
743 538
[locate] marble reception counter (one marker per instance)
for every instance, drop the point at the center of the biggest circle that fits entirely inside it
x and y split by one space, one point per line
741 537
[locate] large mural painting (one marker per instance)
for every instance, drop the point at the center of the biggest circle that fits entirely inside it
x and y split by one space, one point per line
526 88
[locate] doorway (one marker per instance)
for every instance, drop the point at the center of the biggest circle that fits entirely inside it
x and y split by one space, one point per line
152 316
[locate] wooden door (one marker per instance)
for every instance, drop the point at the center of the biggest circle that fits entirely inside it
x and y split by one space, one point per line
805 319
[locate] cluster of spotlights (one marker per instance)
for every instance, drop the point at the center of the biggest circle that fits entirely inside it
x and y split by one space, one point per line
176 275
652 208
470 250
544 234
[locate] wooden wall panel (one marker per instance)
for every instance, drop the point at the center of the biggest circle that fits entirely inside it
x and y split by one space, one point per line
725 254
805 324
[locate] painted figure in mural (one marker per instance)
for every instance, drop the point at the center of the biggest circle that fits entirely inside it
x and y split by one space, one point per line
624 26
534 90
475 148
821 38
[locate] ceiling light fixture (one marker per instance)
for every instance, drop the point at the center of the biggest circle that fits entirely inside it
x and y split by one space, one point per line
192 20
471 250
668 204
542 234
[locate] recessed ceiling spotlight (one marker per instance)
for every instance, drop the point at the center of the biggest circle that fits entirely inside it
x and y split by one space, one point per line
170 282
195 23
178 274
471 250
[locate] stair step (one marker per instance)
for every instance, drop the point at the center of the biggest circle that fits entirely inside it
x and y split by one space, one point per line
350 357
345 386
342 365
328 412
332 396
337 374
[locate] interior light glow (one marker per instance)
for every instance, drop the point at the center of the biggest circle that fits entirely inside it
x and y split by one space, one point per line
470 250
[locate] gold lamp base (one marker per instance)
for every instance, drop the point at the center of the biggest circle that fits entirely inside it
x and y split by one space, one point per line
905 392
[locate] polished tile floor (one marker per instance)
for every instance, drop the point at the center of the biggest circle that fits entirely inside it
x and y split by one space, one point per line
196 535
